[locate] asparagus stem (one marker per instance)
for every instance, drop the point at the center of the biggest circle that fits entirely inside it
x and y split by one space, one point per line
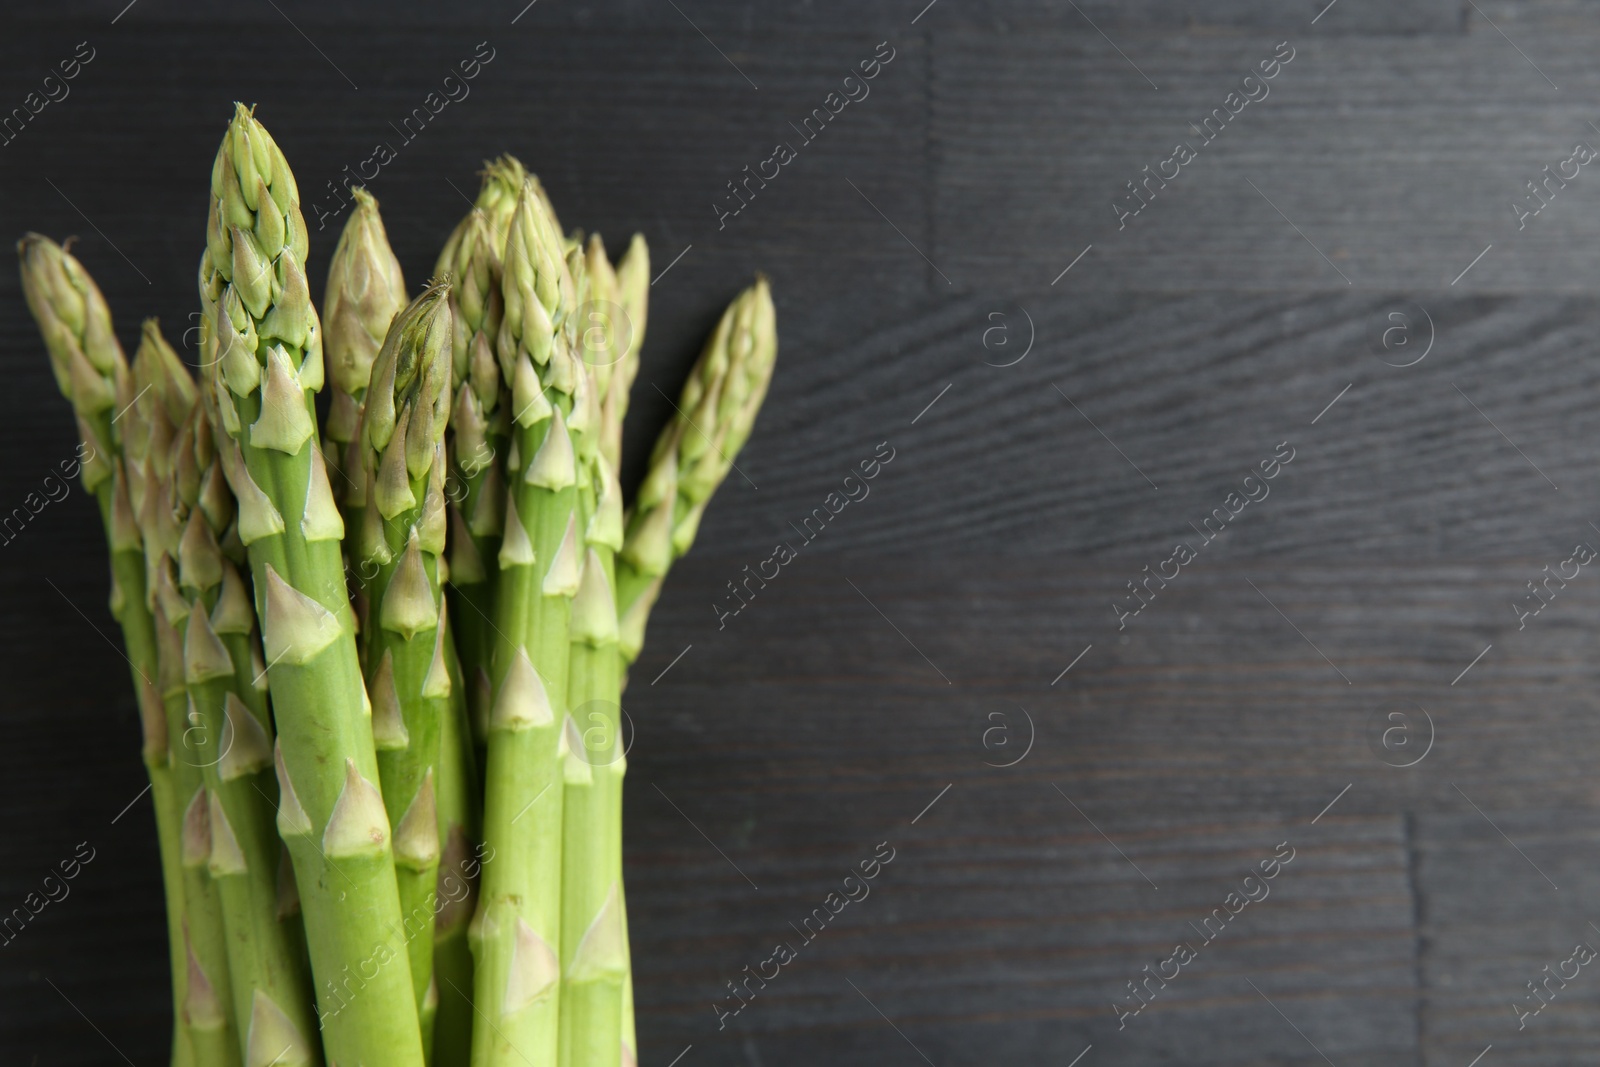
138 628
231 737
401 536
594 952
163 394
459 794
632 288
208 1001
92 372
715 415
264 352
517 929
480 423
694 453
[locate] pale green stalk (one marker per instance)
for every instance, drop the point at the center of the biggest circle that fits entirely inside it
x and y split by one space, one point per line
208 1001
713 418
460 799
632 289
398 542
630 1037
264 362
91 371
593 942
477 438
149 421
230 740
517 932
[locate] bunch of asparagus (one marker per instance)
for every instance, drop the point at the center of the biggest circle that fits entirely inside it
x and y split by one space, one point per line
379 668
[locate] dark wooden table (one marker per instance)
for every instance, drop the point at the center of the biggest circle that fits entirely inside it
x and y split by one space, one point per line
1340 674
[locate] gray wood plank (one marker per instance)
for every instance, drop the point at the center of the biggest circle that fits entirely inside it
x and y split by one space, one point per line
1193 391
1395 161
1492 923
1222 17
1006 921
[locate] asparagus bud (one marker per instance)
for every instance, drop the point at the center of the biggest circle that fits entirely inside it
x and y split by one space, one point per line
365 291
633 294
76 324
715 415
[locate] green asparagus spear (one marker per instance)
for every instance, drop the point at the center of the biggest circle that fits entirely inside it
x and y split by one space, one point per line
517 929
91 371
478 437
399 541
633 293
594 952
264 360
149 426
460 802
715 415
694 453
230 739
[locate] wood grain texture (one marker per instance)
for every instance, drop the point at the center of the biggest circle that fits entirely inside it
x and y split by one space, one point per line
1481 950
1358 617
1210 728
1193 391
1465 120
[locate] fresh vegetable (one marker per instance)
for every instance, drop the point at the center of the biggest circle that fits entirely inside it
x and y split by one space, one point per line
264 349
379 668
